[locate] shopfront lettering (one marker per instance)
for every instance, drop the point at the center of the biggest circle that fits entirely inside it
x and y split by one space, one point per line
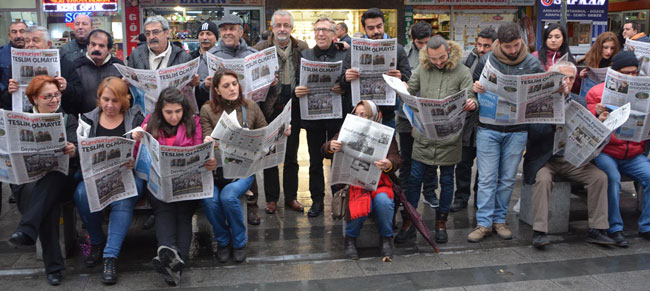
574 2
203 2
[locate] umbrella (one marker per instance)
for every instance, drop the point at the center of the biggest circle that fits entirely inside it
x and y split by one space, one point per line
414 216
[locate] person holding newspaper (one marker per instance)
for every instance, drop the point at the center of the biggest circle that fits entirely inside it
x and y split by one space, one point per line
620 157
440 74
600 54
113 116
172 123
39 202
540 166
361 202
554 46
207 40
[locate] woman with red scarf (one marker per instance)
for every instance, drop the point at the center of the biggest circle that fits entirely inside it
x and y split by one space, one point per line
361 201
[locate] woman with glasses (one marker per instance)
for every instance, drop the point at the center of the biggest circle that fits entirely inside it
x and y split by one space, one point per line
38 201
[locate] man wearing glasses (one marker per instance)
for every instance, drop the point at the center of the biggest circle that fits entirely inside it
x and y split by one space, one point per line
288 50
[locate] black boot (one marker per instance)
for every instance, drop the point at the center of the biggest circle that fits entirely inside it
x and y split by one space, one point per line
386 247
406 232
350 246
95 256
109 277
441 227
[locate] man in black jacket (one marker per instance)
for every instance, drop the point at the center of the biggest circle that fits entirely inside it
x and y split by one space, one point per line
207 40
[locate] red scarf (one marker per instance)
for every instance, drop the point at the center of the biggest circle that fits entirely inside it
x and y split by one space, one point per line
361 199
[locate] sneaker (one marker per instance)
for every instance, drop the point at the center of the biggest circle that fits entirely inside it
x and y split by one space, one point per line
169 258
479 233
159 267
503 231
540 240
620 240
597 236
432 202
458 205
239 254
223 254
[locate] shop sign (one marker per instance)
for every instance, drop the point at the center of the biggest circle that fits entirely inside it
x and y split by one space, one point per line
594 10
132 16
200 2
79 5
70 16
472 2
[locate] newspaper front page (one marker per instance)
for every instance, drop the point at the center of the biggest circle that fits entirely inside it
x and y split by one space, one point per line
103 165
519 99
642 51
621 89
175 173
583 136
25 65
594 76
256 71
31 145
373 58
321 102
244 151
152 82
364 142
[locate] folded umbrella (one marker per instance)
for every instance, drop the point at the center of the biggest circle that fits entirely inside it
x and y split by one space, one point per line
414 216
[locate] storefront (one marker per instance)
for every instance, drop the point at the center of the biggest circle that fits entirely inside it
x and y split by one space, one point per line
584 21
12 10
621 11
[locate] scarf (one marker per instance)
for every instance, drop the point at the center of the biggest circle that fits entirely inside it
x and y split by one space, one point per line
498 53
287 77
360 200
372 108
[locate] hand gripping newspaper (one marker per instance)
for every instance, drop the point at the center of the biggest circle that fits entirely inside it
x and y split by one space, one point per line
25 64
594 76
373 58
621 89
519 99
242 151
364 142
152 82
642 51
583 136
174 173
31 145
256 71
321 102
438 119
103 165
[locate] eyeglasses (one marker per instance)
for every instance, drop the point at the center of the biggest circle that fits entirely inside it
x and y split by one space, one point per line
322 30
281 25
153 32
49 97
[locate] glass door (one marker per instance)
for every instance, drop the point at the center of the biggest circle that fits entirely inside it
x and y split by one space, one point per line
254 21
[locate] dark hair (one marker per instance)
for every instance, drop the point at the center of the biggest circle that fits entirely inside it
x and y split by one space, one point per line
370 14
266 34
343 25
217 103
420 30
157 122
142 37
18 22
108 36
488 33
635 25
508 32
564 48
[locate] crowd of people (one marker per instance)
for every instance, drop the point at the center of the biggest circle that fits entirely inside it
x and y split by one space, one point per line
90 86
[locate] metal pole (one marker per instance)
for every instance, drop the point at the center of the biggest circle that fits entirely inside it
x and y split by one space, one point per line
563 14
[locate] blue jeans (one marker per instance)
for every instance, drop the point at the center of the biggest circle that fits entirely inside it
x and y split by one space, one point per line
416 177
498 156
637 168
118 223
225 214
383 208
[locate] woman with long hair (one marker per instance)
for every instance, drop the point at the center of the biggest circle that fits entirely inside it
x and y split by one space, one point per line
601 52
554 45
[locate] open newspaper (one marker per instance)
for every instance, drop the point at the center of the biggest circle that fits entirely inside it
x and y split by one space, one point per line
437 119
518 99
373 58
25 65
621 89
256 71
321 102
175 173
594 77
103 165
243 151
31 145
364 142
583 136
152 82
642 51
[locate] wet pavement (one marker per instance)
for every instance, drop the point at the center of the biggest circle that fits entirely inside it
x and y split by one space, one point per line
290 251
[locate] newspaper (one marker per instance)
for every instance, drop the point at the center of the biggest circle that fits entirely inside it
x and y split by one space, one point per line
621 89
642 51
244 151
31 145
256 71
321 102
518 99
175 173
373 58
583 136
437 119
25 65
152 82
364 142
594 76
103 165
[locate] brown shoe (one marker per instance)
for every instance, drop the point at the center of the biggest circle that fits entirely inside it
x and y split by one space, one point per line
295 206
253 219
271 207
503 231
478 234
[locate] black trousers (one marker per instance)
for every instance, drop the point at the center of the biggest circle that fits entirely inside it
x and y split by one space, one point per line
464 175
430 183
174 224
315 140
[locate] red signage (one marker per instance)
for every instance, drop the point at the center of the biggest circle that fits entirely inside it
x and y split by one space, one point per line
132 15
79 1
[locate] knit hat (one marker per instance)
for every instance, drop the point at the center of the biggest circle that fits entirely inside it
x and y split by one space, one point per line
209 25
624 59
230 19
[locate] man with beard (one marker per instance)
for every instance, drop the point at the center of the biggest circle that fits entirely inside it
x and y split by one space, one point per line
77 48
207 41
92 69
288 50
500 147
17 40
